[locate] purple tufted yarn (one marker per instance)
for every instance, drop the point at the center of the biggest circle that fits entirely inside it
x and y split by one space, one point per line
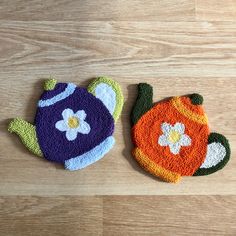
53 142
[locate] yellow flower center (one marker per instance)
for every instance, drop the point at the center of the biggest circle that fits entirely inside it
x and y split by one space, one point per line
174 136
73 122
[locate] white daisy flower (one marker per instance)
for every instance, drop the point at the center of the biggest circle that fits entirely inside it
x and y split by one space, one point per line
73 123
174 137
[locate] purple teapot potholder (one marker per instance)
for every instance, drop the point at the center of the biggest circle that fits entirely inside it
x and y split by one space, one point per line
73 125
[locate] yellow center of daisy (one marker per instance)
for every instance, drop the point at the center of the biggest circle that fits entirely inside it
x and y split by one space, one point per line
73 122
174 136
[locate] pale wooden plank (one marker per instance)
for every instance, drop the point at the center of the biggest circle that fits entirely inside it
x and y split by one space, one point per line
23 174
124 49
118 215
214 10
132 41
179 215
79 10
51 216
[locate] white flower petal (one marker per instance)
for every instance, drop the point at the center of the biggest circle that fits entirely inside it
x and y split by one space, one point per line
67 113
166 128
84 127
179 127
71 134
163 141
81 115
185 140
61 125
175 148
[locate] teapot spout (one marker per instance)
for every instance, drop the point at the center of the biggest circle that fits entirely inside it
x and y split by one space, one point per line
143 103
27 134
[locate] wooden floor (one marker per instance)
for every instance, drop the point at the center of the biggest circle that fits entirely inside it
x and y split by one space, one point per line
179 47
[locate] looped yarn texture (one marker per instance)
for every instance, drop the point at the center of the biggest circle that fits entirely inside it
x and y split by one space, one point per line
73 126
172 139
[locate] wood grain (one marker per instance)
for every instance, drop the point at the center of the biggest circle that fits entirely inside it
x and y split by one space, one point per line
214 10
175 215
88 49
118 10
51 216
179 47
117 215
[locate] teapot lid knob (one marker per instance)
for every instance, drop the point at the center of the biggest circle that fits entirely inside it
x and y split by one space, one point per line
50 84
196 99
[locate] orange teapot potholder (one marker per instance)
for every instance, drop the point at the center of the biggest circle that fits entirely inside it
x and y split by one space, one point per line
172 138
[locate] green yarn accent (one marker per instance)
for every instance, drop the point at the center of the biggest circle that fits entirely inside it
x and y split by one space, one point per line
215 137
143 103
50 84
196 99
27 134
116 88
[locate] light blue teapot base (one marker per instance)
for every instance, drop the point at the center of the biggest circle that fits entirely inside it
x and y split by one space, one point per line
98 152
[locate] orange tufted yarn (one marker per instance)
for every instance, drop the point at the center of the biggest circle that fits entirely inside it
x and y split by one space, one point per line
149 128
172 139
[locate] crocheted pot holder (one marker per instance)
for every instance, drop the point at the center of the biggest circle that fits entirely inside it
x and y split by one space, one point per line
73 125
172 139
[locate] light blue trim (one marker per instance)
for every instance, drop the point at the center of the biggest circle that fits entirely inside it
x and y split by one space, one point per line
91 156
107 95
66 93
